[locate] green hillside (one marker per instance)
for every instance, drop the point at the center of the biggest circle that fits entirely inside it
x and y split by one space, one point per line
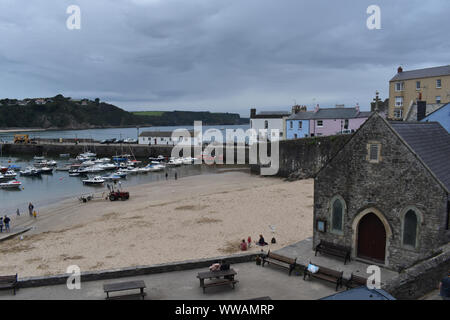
64 113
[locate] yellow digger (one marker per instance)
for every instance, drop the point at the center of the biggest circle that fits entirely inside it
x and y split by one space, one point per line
22 138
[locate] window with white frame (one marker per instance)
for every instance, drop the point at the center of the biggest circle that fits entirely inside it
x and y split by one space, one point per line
417 85
399 86
291 124
300 123
438 83
438 99
399 101
398 114
320 123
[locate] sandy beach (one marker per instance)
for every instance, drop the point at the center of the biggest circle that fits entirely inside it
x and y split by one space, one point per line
194 217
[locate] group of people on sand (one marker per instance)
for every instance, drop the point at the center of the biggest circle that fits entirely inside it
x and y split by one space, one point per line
244 245
6 221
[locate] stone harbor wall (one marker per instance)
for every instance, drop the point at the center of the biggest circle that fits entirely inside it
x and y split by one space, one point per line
422 278
303 158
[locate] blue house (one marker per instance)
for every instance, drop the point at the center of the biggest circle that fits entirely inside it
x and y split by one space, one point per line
441 115
297 125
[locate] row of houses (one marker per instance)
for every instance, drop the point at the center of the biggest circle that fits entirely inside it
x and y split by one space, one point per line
300 123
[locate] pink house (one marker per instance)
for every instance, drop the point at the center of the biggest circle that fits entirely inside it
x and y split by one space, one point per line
332 121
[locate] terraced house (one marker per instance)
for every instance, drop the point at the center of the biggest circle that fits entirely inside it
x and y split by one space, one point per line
406 88
324 122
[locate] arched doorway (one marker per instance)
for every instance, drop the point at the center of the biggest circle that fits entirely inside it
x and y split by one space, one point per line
371 238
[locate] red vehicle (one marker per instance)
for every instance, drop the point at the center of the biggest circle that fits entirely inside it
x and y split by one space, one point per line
119 195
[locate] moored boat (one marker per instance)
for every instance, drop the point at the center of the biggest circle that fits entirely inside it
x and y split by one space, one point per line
10 184
94 181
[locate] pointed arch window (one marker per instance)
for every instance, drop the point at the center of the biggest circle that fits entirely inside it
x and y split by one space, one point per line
410 223
337 210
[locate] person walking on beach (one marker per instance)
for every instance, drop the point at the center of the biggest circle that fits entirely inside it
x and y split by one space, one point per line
167 175
176 175
1 224
30 209
6 221
35 214
18 212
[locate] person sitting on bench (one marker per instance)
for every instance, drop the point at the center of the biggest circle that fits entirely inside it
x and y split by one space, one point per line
261 241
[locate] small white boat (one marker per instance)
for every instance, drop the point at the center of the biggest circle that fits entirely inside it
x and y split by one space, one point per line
52 163
112 177
133 170
10 184
121 173
10 174
144 170
88 163
94 180
64 155
30 172
187 160
175 162
108 166
38 158
46 170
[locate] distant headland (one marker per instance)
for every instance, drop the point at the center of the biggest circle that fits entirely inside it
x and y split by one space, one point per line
61 112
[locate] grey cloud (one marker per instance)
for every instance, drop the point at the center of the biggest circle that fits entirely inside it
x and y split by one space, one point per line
218 55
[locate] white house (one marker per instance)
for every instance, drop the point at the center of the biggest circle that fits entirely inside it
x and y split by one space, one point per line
265 121
165 138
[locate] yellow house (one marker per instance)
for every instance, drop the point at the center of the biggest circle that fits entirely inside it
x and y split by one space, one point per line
407 87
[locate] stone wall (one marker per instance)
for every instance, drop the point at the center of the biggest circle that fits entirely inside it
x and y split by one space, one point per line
303 158
422 278
136 271
399 181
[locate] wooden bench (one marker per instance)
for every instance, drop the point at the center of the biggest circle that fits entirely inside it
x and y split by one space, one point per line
221 282
285 262
8 282
355 281
334 250
222 278
325 274
123 286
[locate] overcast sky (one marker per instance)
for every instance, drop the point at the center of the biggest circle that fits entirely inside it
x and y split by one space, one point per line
217 55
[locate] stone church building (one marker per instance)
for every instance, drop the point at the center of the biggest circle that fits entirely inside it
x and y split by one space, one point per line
385 194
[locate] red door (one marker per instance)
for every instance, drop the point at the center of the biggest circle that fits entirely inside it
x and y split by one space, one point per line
371 238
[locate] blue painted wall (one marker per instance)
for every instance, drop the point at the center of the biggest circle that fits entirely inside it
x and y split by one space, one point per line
442 116
292 130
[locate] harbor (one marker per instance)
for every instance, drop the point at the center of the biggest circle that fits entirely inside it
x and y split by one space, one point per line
57 183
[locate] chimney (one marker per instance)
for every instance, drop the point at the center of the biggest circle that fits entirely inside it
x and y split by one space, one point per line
421 110
357 107
316 108
400 70
252 113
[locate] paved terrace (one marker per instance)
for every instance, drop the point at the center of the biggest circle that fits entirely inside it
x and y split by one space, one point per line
254 281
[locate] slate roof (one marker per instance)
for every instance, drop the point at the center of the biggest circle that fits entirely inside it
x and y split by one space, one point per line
338 113
284 113
422 73
331 113
431 142
302 115
360 293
